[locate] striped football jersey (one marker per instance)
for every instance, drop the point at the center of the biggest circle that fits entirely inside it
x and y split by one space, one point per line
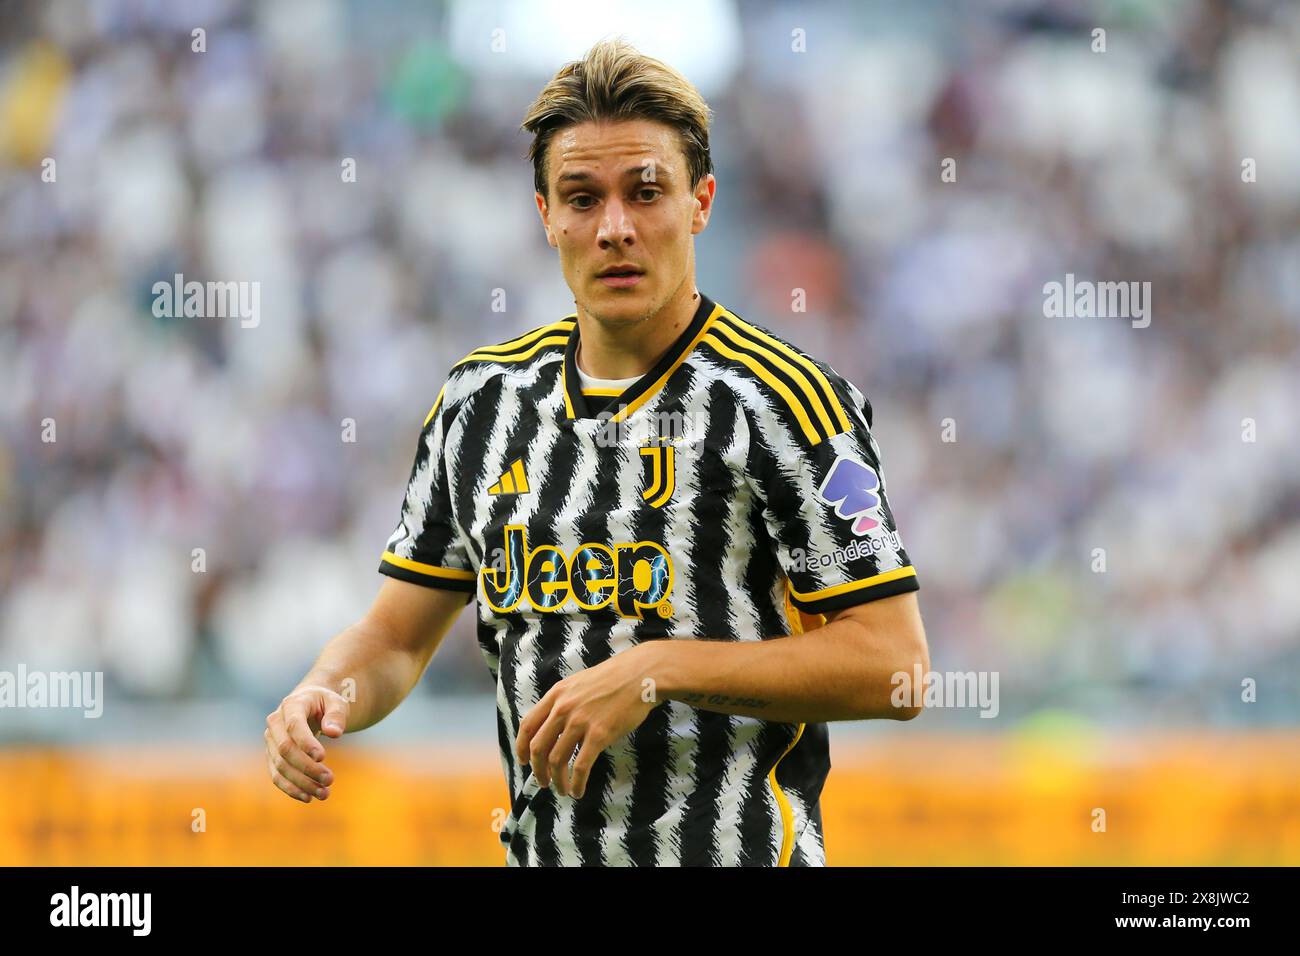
734 492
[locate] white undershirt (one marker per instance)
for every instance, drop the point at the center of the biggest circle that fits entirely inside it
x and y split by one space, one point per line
586 381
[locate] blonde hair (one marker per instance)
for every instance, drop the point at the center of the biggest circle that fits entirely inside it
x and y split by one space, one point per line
614 81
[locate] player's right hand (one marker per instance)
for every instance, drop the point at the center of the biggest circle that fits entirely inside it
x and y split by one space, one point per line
294 754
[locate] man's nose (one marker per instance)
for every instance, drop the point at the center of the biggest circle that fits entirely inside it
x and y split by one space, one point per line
615 225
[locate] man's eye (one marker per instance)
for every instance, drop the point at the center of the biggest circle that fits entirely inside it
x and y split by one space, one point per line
651 191
578 199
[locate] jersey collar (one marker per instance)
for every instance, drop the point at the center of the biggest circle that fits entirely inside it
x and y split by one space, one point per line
644 388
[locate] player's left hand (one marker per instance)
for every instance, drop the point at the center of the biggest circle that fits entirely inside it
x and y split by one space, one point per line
593 708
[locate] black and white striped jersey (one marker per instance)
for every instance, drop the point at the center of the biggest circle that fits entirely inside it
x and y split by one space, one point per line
734 492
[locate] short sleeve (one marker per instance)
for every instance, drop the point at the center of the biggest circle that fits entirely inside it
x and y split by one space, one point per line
815 466
427 547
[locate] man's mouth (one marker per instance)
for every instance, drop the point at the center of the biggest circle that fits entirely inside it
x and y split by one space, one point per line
620 277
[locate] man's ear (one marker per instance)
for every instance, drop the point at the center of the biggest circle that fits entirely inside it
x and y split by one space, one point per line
704 200
545 213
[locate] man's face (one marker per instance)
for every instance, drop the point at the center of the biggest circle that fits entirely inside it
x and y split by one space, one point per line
619 196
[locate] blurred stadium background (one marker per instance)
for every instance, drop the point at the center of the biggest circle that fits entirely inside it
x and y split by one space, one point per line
1119 690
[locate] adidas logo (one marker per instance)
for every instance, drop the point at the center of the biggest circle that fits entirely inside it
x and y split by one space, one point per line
513 482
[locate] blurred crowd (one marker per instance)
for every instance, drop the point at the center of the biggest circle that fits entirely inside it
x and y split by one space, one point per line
1109 516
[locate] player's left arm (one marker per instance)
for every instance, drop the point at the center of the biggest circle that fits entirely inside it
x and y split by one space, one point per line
843 670
814 465
823 494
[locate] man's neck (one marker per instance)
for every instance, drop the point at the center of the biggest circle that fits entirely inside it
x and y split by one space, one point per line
632 349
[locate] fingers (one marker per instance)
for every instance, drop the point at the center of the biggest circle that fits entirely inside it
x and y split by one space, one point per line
530 724
290 744
298 730
279 780
557 725
561 754
591 748
335 719
304 782
295 766
539 750
286 753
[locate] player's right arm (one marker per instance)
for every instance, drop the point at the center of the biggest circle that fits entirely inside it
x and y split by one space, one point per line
358 680
369 668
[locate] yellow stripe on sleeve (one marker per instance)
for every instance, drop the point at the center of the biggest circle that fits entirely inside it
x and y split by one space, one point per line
451 574
809 430
794 356
814 400
882 578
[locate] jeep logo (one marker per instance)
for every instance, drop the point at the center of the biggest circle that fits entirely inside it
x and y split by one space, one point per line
633 577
